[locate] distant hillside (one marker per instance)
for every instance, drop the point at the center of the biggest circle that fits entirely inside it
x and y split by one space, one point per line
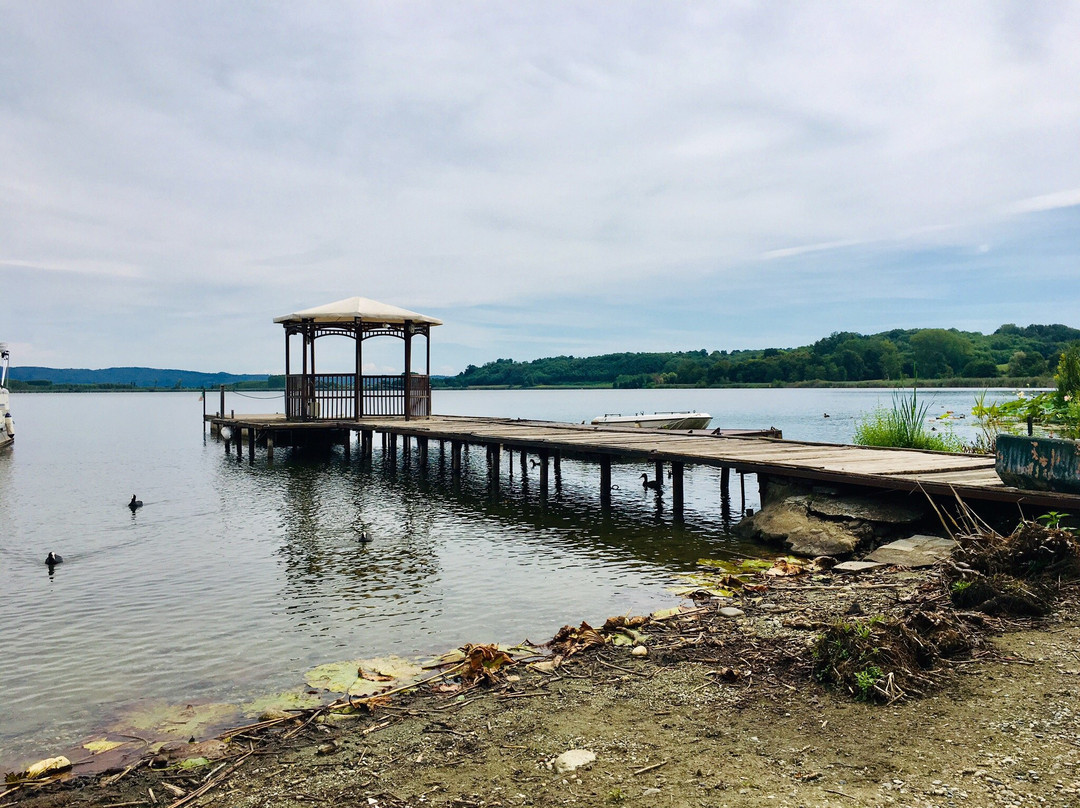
1011 355
130 377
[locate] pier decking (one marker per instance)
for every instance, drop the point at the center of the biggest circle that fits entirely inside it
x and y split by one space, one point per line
971 477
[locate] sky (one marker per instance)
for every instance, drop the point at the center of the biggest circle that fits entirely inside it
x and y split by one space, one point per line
545 177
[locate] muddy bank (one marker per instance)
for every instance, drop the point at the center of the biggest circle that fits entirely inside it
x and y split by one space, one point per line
727 708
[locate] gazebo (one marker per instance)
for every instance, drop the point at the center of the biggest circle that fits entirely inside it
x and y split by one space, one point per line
312 396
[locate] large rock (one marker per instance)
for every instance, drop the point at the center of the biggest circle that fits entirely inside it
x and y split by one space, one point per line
789 523
821 522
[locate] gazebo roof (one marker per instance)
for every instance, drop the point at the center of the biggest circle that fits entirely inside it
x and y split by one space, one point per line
347 310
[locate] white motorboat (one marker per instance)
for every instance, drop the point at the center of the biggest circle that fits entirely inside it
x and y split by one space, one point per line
7 431
656 420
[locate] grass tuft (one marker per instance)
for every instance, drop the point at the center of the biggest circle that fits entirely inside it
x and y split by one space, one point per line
902 426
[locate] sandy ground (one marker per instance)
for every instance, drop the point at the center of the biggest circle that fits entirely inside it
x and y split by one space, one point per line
723 711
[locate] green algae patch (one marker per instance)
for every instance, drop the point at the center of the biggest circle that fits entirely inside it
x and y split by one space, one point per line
164 721
363 677
281 702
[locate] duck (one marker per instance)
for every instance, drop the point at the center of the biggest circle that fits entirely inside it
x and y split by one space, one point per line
826 415
654 485
135 503
52 559
364 537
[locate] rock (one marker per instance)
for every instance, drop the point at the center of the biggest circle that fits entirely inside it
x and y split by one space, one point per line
731 611
856 566
915 551
824 562
640 650
790 524
867 509
573 759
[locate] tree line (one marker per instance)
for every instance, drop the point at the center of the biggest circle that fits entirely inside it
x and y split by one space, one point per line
1011 352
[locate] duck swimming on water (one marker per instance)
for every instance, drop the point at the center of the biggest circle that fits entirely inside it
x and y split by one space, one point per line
364 537
651 485
135 503
52 559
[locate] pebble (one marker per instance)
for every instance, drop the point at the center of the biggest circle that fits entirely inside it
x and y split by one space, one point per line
640 650
731 611
573 759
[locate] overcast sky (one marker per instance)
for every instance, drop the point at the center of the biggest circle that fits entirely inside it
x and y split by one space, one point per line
545 177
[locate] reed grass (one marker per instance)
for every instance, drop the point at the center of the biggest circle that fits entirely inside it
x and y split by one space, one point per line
903 426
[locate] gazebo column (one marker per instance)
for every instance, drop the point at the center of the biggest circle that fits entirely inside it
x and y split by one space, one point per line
289 404
407 333
304 406
358 382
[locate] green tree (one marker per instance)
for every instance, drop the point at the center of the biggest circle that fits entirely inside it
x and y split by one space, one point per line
1027 363
938 352
1067 377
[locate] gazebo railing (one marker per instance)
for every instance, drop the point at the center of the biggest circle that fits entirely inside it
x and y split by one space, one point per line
332 396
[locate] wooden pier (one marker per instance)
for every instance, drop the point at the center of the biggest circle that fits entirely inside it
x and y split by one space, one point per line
545 443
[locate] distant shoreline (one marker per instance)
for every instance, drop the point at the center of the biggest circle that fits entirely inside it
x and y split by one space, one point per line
996 383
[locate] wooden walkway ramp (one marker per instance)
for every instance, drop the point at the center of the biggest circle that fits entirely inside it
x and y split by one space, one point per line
972 477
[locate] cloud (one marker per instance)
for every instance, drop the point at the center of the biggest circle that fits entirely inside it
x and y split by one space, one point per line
190 170
1036 204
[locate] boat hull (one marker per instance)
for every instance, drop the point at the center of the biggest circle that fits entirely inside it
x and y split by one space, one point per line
657 420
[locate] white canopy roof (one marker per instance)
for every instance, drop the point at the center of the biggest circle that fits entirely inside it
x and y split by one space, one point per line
347 310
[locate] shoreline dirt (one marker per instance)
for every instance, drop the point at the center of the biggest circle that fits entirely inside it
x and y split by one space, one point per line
723 711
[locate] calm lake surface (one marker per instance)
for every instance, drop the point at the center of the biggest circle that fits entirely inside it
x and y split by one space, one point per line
234 580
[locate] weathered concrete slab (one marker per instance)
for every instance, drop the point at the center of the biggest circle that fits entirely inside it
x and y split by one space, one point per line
915 551
868 509
857 566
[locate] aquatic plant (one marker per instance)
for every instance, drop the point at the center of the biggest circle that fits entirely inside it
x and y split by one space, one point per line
903 426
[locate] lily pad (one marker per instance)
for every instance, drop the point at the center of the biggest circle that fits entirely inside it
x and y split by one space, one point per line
194 763
281 702
344 677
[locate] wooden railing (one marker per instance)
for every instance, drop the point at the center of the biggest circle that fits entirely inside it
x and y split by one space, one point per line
332 396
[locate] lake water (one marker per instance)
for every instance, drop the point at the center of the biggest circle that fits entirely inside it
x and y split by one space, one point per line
233 580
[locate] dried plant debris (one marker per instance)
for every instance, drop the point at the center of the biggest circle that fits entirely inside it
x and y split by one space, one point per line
1018 574
882 660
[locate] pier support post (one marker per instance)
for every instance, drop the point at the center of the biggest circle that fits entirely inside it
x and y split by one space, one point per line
524 466
494 457
677 490
423 442
391 438
658 469
251 446
725 497
270 448
605 483
742 490
455 458
543 474
347 445
227 441
239 444
366 440
222 412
